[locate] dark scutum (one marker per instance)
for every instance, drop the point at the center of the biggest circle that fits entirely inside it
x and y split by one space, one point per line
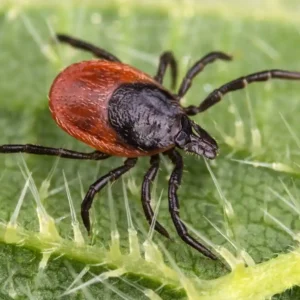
144 115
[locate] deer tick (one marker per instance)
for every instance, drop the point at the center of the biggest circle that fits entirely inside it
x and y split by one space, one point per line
120 111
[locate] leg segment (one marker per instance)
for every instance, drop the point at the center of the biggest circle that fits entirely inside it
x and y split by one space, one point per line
41 150
146 195
165 60
197 68
238 84
76 43
98 185
174 183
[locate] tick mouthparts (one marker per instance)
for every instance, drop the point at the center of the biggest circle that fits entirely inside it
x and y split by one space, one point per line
194 139
203 134
202 146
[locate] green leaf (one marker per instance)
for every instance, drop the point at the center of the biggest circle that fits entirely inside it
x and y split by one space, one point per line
244 205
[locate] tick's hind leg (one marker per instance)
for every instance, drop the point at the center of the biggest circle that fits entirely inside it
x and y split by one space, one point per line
237 84
98 185
76 43
146 195
174 183
167 59
61 152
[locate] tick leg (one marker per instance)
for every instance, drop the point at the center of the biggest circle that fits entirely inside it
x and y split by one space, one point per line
197 68
146 195
98 185
174 183
76 43
41 150
237 84
167 59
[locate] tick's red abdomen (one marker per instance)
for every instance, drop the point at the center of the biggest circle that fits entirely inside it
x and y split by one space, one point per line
79 99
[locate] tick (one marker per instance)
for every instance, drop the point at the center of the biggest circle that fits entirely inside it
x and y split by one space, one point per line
121 111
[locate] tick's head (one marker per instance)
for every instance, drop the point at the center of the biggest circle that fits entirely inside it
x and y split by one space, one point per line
194 139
